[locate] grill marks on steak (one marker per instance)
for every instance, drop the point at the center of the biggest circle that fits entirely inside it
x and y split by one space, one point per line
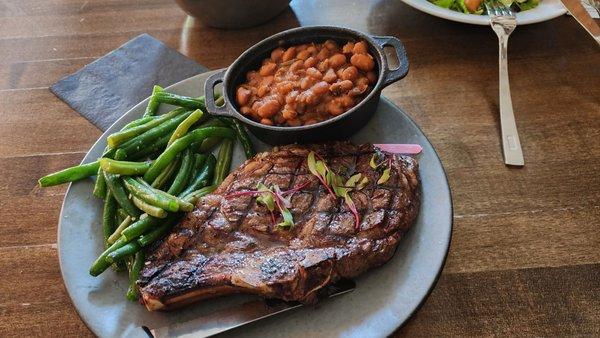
229 243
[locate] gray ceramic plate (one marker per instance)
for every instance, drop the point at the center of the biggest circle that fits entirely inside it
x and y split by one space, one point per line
383 300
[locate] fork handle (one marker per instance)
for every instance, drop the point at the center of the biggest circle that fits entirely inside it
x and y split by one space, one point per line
511 146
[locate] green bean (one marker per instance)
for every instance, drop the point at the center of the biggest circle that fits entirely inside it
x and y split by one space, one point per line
203 177
209 143
158 145
71 174
180 100
219 101
124 167
223 162
169 154
141 141
153 104
150 195
242 135
140 227
149 208
213 122
119 266
100 185
110 152
183 205
120 219
244 138
121 213
122 252
185 125
195 195
183 175
122 226
138 122
109 214
152 236
199 161
120 155
118 191
134 274
166 174
119 137
101 264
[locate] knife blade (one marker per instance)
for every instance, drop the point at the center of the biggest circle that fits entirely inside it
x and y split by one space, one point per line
236 316
583 17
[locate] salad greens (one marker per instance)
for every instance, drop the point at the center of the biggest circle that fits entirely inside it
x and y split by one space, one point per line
477 6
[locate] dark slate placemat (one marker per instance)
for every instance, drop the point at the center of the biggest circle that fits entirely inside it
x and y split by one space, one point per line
108 87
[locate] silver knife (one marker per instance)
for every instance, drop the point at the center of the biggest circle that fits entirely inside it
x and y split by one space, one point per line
230 318
583 17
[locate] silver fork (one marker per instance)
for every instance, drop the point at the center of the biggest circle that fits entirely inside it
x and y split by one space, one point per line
595 4
503 22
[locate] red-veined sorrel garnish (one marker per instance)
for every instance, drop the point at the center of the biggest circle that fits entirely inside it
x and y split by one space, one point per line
378 161
271 198
258 192
319 169
334 181
283 204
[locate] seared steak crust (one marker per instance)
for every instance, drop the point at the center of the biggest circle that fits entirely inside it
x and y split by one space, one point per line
229 243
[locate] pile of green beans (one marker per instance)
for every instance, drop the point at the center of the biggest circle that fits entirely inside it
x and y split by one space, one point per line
152 172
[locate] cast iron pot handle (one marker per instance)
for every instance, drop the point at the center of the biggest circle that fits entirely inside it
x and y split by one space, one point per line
209 96
393 75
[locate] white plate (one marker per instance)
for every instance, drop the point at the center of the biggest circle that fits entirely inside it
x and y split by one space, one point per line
547 10
383 300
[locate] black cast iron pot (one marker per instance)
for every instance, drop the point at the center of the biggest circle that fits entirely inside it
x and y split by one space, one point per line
335 128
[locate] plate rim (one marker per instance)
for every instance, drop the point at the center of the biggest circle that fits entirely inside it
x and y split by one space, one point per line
430 288
450 229
482 20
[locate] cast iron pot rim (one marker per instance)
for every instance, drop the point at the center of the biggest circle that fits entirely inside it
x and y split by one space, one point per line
281 36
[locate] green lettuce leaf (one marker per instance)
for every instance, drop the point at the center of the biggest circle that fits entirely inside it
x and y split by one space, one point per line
529 4
443 3
459 5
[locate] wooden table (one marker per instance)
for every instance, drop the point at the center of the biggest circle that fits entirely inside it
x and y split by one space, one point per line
525 254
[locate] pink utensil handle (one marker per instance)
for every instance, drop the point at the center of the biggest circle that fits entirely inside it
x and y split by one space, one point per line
397 148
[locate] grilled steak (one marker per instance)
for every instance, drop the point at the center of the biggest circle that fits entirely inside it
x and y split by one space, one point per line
230 243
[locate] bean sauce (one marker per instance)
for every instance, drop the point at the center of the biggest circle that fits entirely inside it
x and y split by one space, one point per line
306 84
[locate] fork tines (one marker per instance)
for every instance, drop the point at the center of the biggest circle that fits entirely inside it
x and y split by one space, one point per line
497 8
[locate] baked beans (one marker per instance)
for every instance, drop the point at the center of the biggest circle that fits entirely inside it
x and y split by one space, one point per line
306 84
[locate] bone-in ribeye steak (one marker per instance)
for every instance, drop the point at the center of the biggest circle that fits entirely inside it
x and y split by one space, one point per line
229 243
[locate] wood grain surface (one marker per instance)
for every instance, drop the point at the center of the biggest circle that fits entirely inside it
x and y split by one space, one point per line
525 254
